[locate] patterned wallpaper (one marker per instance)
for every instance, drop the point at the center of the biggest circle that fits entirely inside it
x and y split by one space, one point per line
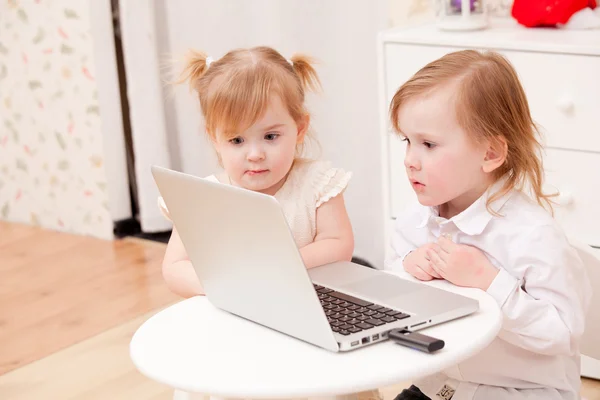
51 159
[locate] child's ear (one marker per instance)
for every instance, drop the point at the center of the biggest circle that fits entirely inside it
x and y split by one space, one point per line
302 124
495 155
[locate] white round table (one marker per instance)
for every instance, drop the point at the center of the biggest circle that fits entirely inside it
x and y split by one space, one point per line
194 347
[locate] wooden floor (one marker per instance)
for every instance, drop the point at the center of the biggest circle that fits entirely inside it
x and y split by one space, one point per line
69 306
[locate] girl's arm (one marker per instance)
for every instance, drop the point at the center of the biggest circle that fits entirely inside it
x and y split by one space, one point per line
402 248
334 240
178 271
401 244
544 312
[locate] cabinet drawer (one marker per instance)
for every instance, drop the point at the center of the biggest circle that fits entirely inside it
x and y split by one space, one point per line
563 90
564 97
576 176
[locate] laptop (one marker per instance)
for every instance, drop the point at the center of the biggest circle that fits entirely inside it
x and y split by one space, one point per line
245 256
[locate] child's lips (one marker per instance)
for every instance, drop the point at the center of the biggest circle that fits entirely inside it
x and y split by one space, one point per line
417 185
256 171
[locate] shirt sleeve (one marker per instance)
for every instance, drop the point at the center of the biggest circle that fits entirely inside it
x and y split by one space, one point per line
401 244
329 182
544 311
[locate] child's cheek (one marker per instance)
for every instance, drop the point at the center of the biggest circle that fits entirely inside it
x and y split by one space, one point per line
275 161
437 170
232 162
282 160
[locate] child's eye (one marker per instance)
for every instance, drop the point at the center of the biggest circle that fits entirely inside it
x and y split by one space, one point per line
236 140
429 145
271 136
405 139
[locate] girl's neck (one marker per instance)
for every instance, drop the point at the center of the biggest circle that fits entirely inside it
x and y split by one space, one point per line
461 203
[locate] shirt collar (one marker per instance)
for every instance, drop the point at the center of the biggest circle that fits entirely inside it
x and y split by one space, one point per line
476 217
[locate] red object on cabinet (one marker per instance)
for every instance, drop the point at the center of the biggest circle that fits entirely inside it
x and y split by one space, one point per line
532 13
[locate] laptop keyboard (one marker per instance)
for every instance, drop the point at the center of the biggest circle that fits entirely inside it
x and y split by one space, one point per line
347 314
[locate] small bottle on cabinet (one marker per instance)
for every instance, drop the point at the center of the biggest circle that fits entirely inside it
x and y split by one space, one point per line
461 15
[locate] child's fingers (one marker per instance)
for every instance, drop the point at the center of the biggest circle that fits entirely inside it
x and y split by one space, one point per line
439 271
428 269
437 264
431 271
422 275
435 258
446 244
441 253
418 273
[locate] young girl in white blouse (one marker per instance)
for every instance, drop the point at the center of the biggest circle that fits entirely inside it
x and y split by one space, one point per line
473 160
252 101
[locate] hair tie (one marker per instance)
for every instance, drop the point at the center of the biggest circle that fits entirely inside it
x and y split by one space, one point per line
209 60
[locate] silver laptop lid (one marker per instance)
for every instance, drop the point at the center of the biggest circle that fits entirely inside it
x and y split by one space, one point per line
244 254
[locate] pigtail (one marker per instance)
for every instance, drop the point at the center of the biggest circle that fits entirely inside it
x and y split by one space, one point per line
195 68
302 66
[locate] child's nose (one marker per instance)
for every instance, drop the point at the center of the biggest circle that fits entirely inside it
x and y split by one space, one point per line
256 154
411 161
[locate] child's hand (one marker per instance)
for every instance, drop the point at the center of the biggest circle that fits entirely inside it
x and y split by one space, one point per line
418 265
461 264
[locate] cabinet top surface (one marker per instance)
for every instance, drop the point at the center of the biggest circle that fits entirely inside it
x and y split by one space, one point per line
504 33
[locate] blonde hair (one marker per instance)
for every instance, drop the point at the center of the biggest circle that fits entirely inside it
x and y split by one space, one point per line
235 90
490 105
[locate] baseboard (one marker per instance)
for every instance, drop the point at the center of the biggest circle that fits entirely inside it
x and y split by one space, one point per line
590 368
